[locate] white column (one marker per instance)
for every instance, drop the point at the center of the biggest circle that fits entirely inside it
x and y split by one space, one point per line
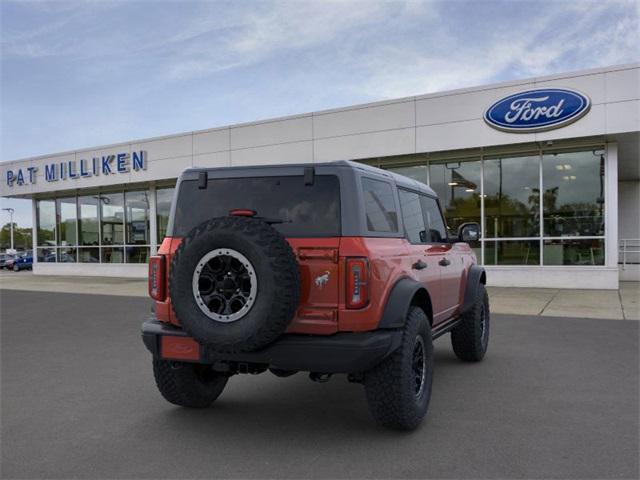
611 205
153 217
34 233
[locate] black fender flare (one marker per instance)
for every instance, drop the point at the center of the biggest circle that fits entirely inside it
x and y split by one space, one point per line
476 276
400 299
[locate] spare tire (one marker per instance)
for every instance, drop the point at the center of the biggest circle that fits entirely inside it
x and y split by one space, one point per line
234 284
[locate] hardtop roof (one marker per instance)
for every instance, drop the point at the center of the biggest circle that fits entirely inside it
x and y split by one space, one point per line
400 180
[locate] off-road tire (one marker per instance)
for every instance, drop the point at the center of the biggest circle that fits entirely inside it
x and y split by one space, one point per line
390 386
278 280
469 339
188 384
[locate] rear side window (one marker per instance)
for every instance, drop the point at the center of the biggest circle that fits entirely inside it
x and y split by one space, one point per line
380 206
437 231
306 210
412 217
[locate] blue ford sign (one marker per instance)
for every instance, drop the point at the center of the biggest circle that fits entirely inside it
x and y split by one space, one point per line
537 110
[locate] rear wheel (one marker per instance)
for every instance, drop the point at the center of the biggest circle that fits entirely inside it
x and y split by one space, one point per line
188 384
470 338
399 389
16 268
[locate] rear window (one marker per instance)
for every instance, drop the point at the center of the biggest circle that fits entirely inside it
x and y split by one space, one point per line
380 206
306 210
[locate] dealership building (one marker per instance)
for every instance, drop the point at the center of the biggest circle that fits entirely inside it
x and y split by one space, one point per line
549 166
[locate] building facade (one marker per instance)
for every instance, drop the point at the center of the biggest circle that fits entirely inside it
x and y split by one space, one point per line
550 168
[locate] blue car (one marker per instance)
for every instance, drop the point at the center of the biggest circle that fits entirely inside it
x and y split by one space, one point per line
23 262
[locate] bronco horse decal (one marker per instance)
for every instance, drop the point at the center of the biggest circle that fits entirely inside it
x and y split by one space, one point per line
323 279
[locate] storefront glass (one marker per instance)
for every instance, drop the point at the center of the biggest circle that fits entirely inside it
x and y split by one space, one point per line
512 197
46 218
67 221
573 194
112 218
94 228
512 252
567 222
88 223
163 208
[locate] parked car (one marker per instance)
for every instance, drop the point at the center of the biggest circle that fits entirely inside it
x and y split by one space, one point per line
4 258
332 268
22 262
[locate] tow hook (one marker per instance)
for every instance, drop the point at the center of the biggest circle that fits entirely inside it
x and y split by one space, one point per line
320 377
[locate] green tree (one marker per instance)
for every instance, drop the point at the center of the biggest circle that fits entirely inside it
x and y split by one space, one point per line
22 237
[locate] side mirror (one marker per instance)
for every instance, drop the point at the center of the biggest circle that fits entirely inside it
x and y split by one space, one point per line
469 232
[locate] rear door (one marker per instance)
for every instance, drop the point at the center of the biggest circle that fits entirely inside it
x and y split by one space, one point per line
425 257
450 265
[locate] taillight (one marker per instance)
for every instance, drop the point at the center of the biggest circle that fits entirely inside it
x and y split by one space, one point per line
357 282
157 277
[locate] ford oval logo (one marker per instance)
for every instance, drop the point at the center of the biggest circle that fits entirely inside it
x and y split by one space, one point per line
537 110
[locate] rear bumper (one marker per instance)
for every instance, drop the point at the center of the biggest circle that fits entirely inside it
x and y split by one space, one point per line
338 353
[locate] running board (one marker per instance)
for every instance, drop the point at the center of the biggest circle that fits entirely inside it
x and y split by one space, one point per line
445 327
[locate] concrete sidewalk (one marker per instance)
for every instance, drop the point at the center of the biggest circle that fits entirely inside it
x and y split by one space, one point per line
623 304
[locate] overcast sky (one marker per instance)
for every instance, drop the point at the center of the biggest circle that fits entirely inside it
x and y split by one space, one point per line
81 74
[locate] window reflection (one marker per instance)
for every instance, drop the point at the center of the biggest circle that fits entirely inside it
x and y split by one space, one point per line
512 197
112 218
46 218
137 215
573 198
512 252
163 208
67 219
88 221
458 187
573 251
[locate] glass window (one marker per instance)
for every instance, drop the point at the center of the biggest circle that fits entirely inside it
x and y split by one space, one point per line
380 207
89 255
66 255
512 197
137 215
458 187
137 254
163 208
417 172
512 252
112 254
433 219
306 210
574 251
67 221
112 218
46 217
88 221
412 216
47 254
573 198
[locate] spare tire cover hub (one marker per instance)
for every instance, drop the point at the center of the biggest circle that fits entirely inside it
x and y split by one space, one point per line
225 285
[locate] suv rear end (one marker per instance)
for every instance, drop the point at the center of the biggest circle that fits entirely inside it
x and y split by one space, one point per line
294 268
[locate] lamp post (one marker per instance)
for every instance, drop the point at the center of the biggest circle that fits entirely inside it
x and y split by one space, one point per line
10 210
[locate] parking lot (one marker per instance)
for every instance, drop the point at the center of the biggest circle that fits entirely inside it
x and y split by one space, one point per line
555 397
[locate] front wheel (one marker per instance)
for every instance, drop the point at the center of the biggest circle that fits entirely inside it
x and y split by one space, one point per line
470 338
16 268
399 388
188 384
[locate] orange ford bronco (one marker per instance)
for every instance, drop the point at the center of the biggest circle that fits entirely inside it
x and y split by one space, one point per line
328 268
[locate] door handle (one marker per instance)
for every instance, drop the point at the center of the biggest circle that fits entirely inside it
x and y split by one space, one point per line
444 262
419 265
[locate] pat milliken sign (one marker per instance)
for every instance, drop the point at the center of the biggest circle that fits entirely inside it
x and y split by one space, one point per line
537 110
116 164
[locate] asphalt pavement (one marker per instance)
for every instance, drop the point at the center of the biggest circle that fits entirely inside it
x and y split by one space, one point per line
554 398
